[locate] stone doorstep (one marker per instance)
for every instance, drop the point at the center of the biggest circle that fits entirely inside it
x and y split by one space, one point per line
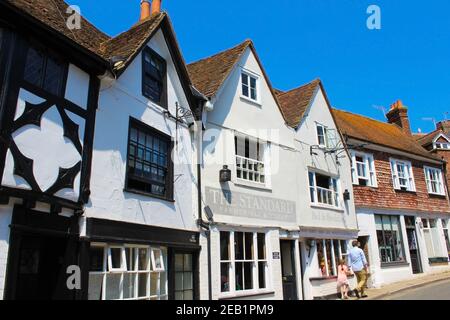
397 287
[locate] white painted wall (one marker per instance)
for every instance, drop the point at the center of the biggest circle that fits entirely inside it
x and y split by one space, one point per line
46 145
119 101
315 215
5 221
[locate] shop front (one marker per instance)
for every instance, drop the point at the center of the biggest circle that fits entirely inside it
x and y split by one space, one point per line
124 261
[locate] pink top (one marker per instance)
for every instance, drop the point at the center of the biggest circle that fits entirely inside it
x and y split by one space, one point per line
342 273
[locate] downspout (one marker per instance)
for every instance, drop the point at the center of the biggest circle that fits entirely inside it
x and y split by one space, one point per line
203 224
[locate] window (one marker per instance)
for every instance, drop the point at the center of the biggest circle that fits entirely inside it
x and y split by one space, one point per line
249 86
184 277
324 189
442 145
363 169
150 168
434 180
432 238
243 261
329 252
154 77
251 158
45 71
127 273
322 135
390 241
402 175
446 226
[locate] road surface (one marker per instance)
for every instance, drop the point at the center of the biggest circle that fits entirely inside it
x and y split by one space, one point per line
435 291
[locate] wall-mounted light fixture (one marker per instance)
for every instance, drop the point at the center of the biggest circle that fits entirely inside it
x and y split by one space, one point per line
225 174
347 195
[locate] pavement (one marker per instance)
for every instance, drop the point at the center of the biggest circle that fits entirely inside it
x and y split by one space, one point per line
398 288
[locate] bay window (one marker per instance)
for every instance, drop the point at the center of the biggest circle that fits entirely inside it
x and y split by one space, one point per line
329 253
432 238
252 156
402 175
243 261
324 189
434 180
122 272
363 169
390 240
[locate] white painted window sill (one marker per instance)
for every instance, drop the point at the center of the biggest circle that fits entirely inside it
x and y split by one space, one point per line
244 294
323 206
255 102
248 184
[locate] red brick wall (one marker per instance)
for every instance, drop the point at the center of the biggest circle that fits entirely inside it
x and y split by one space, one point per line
386 197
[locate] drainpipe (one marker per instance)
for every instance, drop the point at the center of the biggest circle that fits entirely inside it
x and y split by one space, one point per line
203 224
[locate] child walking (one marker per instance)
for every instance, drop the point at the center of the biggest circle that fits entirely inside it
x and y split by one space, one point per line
342 280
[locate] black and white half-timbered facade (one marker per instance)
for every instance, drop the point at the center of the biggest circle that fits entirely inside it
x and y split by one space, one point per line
96 153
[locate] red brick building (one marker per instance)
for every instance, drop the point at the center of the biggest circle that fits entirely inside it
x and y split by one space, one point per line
401 197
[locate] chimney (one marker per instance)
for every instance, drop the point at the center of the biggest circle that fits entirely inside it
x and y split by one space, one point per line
156 6
398 114
444 126
145 10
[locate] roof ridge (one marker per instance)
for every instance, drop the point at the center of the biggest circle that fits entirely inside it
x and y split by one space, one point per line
316 80
247 42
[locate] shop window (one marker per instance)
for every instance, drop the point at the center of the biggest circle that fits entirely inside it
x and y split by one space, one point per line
432 238
324 189
402 175
434 180
45 71
150 166
329 253
251 159
246 260
363 169
390 241
127 273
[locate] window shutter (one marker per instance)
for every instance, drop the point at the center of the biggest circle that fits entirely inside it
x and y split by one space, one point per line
354 169
395 175
412 184
267 164
373 174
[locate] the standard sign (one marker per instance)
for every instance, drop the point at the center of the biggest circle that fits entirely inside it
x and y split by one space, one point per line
237 204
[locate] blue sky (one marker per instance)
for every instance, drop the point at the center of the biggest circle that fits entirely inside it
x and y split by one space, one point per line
299 40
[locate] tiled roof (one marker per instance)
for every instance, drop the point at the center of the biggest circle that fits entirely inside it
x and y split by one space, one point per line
295 102
52 13
426 139
126 44
377 132
208 74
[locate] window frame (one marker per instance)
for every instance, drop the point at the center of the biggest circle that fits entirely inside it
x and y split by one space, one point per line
336 196
255 261
161 293
47 53
369 162
384 238
169 184
334 260
257 78
163 103
325 136
409 170
440 182
266 161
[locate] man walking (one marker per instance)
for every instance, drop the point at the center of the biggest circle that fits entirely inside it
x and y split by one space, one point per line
358 263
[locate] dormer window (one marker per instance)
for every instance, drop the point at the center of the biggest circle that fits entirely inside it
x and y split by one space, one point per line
442 145
154 84
45 71
249 86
